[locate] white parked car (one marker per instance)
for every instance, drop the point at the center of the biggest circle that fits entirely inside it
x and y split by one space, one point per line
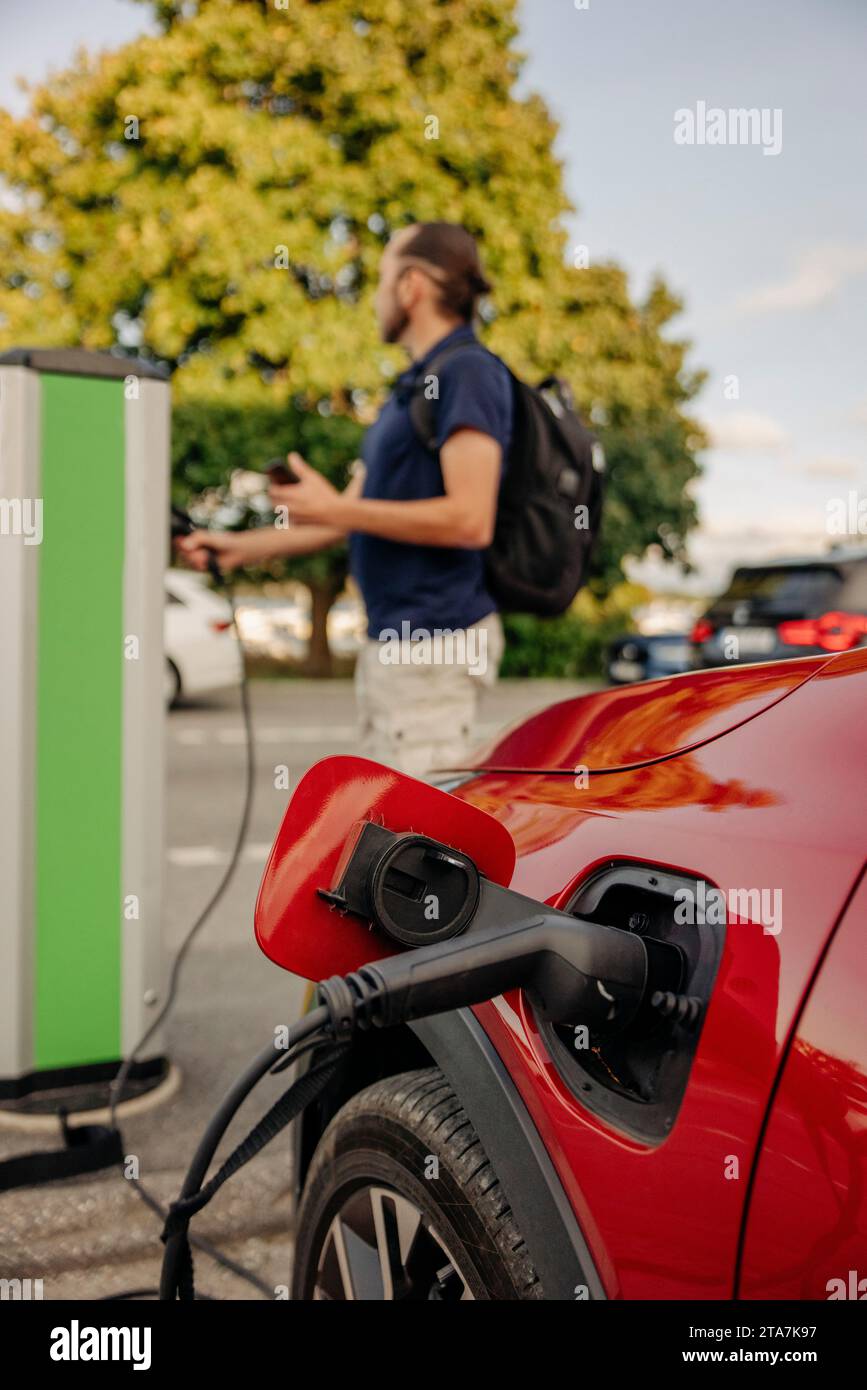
202 652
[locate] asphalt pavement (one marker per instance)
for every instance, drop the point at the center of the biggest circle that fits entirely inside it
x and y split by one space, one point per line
93 1237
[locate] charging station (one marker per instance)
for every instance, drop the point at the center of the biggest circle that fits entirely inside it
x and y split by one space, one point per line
84 483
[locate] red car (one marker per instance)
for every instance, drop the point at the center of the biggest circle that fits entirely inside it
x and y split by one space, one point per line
719 1149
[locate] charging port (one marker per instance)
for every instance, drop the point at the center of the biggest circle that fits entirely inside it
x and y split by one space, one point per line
636 1079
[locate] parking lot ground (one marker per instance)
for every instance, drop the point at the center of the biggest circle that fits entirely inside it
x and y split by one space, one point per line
94 1237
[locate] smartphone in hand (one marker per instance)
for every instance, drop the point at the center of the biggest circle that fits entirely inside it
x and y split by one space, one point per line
279 472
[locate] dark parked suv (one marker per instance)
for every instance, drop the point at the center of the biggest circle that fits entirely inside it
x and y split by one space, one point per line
786 608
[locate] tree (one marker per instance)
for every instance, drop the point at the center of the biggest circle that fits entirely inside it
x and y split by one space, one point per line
217 197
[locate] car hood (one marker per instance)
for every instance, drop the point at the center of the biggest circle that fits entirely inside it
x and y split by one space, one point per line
636 724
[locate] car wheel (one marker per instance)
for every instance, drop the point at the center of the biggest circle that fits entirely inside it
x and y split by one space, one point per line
401 1203
171 684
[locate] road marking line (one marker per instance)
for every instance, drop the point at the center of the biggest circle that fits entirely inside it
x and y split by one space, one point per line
196 856
308 733
209 856
315 733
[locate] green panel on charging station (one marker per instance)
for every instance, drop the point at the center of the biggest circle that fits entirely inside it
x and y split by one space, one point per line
79 724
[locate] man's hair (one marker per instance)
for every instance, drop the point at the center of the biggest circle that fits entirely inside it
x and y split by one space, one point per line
453 252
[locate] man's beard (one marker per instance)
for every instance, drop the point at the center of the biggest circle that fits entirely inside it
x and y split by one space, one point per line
394 325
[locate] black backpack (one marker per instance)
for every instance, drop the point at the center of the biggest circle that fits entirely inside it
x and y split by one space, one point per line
550 503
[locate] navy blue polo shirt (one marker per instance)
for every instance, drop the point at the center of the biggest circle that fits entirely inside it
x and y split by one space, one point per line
428 586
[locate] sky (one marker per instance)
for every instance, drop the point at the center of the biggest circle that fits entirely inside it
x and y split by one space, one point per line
765 241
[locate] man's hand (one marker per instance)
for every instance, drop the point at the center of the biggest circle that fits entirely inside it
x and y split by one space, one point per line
312 500
232 550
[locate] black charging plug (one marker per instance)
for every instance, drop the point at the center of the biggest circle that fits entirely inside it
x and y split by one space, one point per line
573 971
182 524
416 890
475 939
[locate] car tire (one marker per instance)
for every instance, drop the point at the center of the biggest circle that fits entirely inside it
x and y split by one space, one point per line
171 685
401 1203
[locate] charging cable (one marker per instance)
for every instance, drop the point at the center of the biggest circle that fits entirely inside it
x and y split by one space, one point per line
572 970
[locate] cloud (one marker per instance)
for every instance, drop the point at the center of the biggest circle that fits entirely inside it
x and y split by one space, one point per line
817 276
836 466
746 430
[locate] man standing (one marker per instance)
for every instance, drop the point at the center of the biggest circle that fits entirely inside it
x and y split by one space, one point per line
419 515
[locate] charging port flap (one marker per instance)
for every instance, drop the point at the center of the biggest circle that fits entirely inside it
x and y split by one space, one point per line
317 935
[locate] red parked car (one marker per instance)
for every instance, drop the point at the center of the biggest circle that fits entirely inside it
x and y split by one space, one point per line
714 1149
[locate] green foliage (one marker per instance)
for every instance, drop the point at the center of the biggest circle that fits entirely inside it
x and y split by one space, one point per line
210 440
217 197
554 647
573 645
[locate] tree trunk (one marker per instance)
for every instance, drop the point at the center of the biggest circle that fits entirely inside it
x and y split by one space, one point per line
322 596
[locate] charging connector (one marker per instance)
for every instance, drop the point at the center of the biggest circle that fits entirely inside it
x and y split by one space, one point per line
573 970
476 939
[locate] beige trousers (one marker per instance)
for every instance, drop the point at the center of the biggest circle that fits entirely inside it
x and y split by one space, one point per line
417 696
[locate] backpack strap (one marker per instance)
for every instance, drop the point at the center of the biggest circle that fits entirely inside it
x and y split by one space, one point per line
422 408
